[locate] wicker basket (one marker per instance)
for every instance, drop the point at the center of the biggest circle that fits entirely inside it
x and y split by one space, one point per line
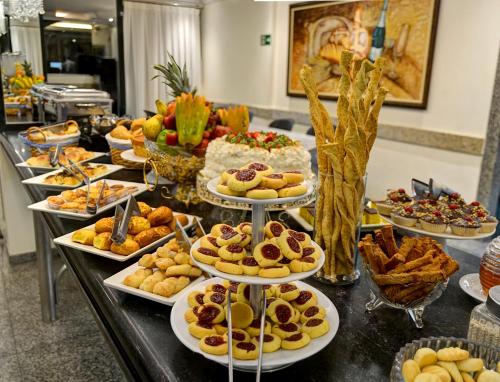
116 147
43 145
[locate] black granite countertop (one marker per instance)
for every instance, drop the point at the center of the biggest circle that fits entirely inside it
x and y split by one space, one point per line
140 333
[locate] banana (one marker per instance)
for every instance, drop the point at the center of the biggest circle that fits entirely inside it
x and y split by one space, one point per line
161 107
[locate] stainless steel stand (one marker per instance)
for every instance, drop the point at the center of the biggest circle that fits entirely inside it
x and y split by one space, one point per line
46 278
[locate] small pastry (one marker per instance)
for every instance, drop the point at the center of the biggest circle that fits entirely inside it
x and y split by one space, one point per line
425 357
296 316
285 330
289 246
303 238
311 251
305 300
244 180
69 196
164 263
211 313
223 188
287 292
162 230
149 282
137 224
241 315
210 242
103 241
84 236
182 219
147 237
220 229
254 328
55 202
470 365
135 279
295 341
291 190
226 174
405 216
246 350
274 272
260 192
465 226
273 229
182 258
214 344
304 264
182 270
219 288
227 238
200 330
171 286
261 168
160 216
267 254
231 267
274 181
316 327
293 176
272 343
195 299
246 239
245 228
215 297
452 354
191 315
148 260
72 207
280 311
312 312
488 376
410 370
238 335
205 255
232 252
249 265
221 328
144 208
243 293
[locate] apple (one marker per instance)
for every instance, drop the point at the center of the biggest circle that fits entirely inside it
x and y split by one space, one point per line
169 122
220 131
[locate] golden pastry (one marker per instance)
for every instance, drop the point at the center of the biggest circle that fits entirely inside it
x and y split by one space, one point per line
162 230
183 270
195 299
249 265
211 313
191 315
121 132
273 229
286 330
292 190
314 311
296 316
254 328
489 376
55 202
274 181
160 216
442 373
243 293
215 297
245 228
104 225
72 207
144 208
164 263
239 335
128 247
244 180
245 239
221 328
84 236
452 369
137 224
200 330
220 229
272 343
295 341
182 219
275 271
214 344
231 237
147 237
205 255
219 288
267 254
452 354
226 174
466 377
287 292
289 246
293 176
182 258
260 192
425 356
280 311
304 264
149 282
410 370
171 286
241 315
232 252
246 350
427 377
305 300
210 242
103 241
224 189
470 364
148 260
230 267
303 238
316 327
261 168
135 279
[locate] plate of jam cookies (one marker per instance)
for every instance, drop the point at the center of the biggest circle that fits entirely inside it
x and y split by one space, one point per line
257 183
300 321
283 256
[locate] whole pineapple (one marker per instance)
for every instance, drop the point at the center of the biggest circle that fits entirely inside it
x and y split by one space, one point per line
174 77
28 71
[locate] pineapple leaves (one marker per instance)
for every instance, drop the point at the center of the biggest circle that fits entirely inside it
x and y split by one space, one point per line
175 78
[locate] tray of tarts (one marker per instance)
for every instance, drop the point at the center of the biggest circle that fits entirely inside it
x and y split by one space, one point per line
300 321
158 276
76 154
62 179
72 203
153 227
283 256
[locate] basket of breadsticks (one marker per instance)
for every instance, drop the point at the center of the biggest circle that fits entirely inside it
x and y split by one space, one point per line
410 275
343 154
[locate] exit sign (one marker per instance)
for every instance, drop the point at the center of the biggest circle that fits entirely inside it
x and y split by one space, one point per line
265 39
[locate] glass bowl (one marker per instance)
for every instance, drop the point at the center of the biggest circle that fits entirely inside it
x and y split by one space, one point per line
490 355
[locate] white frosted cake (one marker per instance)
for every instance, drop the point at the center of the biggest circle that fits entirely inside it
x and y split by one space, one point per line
237 150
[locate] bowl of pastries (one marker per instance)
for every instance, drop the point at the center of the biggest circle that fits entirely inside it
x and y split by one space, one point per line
258 182
440 359
284 255
300 321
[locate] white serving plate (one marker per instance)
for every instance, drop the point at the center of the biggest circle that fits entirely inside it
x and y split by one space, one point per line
96 154
212 187
131 157
270 361
44 207
39 180
116 282
447 235
471 285
257 279
66 241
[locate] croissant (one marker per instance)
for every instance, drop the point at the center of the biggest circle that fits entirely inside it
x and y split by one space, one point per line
170 286
135 279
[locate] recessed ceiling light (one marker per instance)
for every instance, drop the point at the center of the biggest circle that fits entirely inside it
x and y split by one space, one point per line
67 25
176 3
111 19
74 40
61 14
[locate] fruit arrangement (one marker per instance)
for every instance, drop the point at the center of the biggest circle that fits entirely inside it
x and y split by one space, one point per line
24 79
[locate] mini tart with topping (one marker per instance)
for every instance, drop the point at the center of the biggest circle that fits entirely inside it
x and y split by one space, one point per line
224 189
210 313
272 343
214 344
215 298
303 238
274 272
210 242
205 255
243 180
434 222
216 288
200 329
241 315
226 174
466 226
311 251
249 265
313 311
286 330
291 190
287 292
316 327
261 168
195 299
280 311
305 300
220 229
474 207
254 328
239 335
267 254
245 228
261 192
273 229
246 350
274 181
289 246
231 267
454 198
451 211
304 264
399 196
232 252
423 206
405 216
295 341
243 293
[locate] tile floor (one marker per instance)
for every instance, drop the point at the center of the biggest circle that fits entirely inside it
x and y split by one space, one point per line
70 349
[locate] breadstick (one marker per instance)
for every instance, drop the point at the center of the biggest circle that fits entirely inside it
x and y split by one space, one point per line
407 278
410 265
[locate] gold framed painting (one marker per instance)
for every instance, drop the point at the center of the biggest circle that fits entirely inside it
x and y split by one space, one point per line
402 31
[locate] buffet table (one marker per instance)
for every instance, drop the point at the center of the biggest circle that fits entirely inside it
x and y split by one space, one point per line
139 331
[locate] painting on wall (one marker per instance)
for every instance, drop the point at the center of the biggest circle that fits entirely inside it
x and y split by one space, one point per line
402 31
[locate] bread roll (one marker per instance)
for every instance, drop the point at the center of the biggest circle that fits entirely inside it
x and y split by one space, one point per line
170 286
84 236
104 225
163 230
147 237
103 241
126 248
135 279
149 282
160 216
145 209
148 260
120 132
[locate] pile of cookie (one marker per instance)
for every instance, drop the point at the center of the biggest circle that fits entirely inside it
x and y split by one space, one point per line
293 318
283 251
258 181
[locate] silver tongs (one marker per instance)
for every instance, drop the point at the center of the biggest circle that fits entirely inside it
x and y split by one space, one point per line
184 238
432 189
54 156
122 219
91 208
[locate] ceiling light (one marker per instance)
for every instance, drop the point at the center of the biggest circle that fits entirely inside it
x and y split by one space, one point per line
176 4
61 14
111 19
74 40
67 25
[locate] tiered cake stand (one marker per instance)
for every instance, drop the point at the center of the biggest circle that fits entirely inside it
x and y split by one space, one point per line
281 358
